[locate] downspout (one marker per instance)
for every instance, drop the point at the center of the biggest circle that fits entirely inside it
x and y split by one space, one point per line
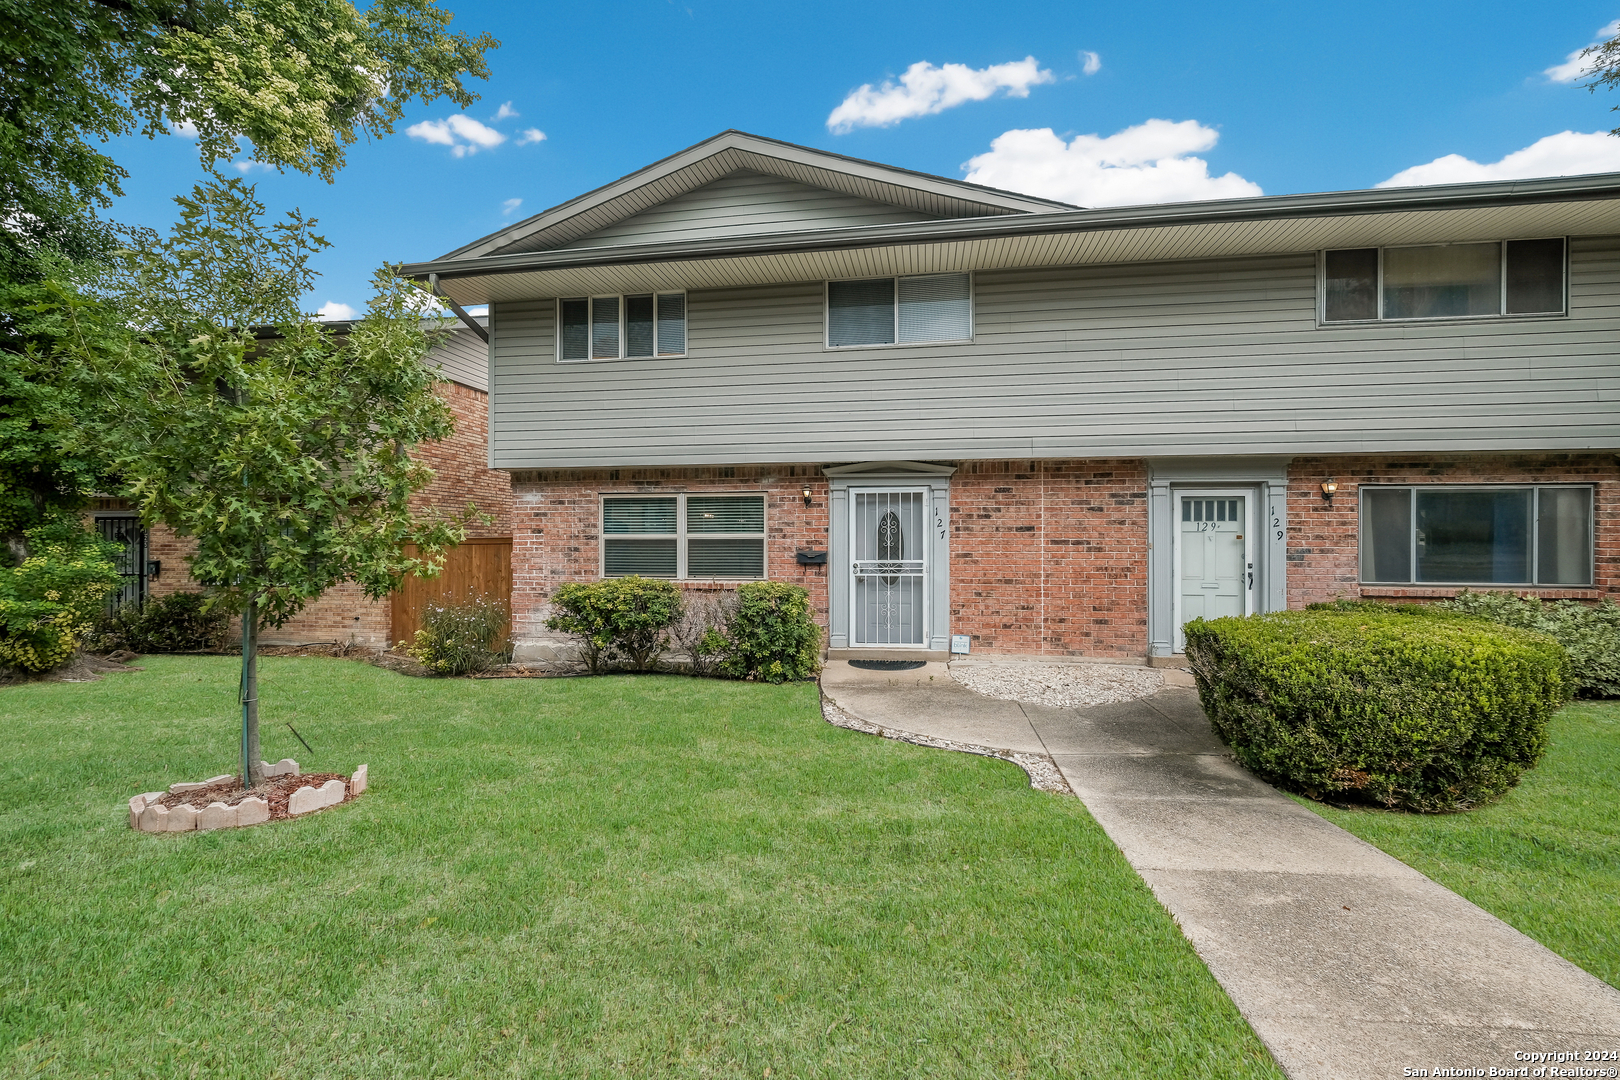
433 282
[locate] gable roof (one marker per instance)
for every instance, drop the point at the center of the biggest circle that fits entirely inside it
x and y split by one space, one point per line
934 197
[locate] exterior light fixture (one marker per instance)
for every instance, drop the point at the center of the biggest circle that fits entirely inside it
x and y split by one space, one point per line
1329 486
806 493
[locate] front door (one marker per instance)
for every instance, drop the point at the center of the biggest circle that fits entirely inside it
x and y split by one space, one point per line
127 533
888 574
1215 565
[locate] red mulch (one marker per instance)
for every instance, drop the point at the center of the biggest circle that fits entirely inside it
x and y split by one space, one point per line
278 789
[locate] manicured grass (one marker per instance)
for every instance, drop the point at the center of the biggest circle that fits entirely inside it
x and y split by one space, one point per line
615 876
1546 857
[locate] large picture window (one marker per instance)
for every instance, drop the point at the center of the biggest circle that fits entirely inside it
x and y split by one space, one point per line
683 536
1451 535
1444 281
621 327
906 310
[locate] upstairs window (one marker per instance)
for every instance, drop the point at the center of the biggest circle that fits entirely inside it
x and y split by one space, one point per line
1500 535
905 311
621 327
684 536
1444 281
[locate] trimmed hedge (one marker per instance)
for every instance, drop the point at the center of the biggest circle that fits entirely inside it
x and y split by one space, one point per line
179 622
1589 633
1380 705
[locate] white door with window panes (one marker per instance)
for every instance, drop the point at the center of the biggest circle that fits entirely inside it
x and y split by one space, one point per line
1214 557
888 574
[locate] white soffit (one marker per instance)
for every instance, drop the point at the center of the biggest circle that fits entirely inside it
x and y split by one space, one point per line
1090 248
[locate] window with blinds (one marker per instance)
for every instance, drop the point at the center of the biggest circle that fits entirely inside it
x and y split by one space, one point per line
905 310
621 327
683 536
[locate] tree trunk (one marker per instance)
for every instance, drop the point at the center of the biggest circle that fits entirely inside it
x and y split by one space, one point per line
252 765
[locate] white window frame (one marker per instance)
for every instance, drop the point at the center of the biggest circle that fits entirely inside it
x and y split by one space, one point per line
1535 536
1322 322
686 319
826 313
680 533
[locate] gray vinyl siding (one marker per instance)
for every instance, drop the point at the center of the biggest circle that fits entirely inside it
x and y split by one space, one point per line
462 357
1185 358
746 203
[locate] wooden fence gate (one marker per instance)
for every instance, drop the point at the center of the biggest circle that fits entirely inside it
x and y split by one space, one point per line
476 567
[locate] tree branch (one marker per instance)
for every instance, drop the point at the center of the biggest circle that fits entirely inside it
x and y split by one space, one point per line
172 21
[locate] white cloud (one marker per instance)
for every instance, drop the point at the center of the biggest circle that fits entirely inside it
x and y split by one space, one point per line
332 311
185 129
530 135
247 165
926 89
1148 163
510 205
1568 153
460 132
1575 65
1093 62
505 112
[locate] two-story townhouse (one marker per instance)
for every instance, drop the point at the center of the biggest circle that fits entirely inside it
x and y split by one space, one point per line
949 410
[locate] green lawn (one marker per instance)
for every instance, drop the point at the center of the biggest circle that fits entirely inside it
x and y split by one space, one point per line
1546 857
578 877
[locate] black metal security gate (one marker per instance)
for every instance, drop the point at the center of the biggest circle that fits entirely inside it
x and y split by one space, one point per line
128 534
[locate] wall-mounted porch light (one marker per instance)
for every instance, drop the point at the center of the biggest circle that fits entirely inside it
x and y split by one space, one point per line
1329 486
806 493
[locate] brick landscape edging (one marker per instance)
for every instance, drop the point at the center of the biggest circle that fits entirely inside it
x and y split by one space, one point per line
146 814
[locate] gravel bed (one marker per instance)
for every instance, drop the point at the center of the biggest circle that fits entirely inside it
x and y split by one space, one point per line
1060 686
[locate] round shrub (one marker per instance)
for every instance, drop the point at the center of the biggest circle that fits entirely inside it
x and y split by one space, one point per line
624 619
1382 706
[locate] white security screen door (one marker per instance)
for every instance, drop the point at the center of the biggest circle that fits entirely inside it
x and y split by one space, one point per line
889 569
1215 565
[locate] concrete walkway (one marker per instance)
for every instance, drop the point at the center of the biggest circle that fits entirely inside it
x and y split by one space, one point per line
1346 961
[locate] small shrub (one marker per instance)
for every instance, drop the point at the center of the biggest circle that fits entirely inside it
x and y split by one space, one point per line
463 637
1403 710
618 620
700 633
179 622
50 599
771 635
1589 633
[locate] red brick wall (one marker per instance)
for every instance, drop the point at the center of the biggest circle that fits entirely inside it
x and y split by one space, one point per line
1322 539
1045 556
556 523
1050 557
460 477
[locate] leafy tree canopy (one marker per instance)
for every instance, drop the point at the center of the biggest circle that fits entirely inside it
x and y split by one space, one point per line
300 79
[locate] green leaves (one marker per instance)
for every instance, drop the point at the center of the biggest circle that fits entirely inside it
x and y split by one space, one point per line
49 600
618 619
772 635
1422 711
300 79
283 447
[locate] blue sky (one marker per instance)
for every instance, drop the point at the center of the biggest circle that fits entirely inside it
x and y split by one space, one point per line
1272 97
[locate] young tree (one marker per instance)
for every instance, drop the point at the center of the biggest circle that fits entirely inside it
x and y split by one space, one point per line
285 454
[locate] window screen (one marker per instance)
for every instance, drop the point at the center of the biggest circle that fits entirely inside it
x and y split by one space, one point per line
576 332
638 325
1351 283
1535 276
1449 535
604 327
671 324
860 312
